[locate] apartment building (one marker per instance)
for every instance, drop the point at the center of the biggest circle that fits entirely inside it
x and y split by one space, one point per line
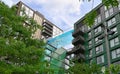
49 29
101 42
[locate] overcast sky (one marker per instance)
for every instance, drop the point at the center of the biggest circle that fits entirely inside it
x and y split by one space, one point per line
63 13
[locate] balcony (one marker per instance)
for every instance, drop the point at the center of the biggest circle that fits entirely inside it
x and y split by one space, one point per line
76 50
79 57
77 32
78 40
79 48
46 33
47 29
47 25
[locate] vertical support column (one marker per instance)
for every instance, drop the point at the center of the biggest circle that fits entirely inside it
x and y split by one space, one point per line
107 45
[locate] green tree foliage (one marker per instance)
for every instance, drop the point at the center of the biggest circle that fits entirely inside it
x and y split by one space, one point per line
90 17
19 52
83 68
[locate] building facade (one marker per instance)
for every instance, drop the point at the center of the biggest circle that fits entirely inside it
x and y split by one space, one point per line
48 28
91 44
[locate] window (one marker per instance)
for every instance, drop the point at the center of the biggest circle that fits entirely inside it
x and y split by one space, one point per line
89 28
28 11
97 20
90 44
91 61
97 40
114 30
99 49
48 52
100 59
47 58
119 4
115 53
98 29
89 34
111 22
109 11
83 28
90 53
114 42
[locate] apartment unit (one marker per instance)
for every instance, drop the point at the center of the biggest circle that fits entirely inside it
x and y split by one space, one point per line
101 42
48 27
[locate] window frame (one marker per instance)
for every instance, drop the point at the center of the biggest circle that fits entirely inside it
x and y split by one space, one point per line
100 59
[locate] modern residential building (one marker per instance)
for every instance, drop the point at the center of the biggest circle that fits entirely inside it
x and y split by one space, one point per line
49 29
101 42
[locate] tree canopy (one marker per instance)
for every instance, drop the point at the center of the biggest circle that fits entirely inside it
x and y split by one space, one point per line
90 17
83 68
19 52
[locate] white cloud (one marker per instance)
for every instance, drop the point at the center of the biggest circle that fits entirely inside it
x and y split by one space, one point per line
63 13
8 2
60 11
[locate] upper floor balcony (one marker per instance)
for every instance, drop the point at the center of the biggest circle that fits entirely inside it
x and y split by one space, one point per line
77 32
78 49
78 40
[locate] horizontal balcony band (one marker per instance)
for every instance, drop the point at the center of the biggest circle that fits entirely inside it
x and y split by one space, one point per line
45 33
78 40
77 32
46 29
78 49
48 26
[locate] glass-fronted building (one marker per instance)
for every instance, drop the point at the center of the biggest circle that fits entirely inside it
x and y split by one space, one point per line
90 42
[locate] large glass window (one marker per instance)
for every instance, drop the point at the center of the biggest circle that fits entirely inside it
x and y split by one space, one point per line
100 59
88 28
90 43
109 11
115 53
98 29
99 49
83 28
89 34
91 61
47 58
27 11
114 42
90 53
97 40
114 30
119 4
111 22
97 20
48 52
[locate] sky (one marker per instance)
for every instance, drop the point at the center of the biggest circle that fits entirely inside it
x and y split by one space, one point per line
63 13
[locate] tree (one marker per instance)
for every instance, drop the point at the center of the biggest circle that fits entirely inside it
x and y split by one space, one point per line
90 17
19 52
83 68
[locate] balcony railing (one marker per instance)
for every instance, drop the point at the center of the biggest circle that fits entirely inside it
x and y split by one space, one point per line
78 40
46 33
77 32
47 25
78 49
